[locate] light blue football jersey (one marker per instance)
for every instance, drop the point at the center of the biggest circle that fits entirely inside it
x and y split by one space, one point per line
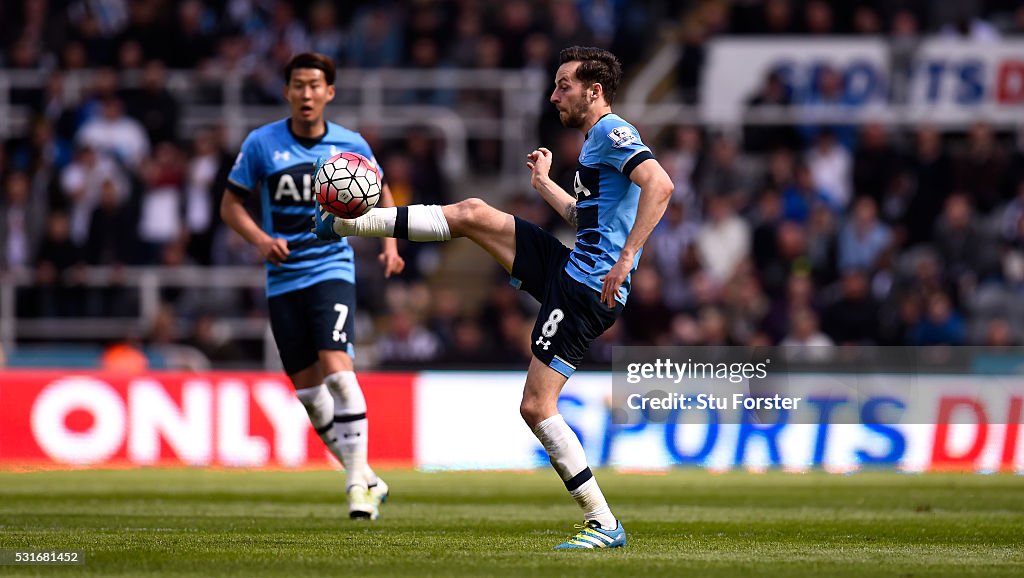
606 200
279 166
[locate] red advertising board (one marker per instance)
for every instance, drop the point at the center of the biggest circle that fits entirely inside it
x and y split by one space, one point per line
211 419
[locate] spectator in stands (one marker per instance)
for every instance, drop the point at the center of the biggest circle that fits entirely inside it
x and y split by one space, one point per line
982 169
825 97
712 327
204 182
324 35
406 341
116 134
778 18
999 333
469 32
112 238
374 42
805 333
875 163
941 324
866 21
818 20
830 166
22 222
512 345
161 205
646 320
800 197
669 244
58 271
691 62
193 39
758 137
468 346
968 250
723 240
852 318
212 337
799 295
727 173
932 171
684 162
863 237
823 245
567 25
445 314
789 256
744 304
153 105
82 184
765 218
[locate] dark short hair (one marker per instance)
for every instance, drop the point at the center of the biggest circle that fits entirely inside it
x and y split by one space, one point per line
596 65
311 60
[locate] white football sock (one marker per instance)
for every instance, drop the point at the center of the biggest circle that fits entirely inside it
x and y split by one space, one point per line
350 427
319 404
415 223
569 460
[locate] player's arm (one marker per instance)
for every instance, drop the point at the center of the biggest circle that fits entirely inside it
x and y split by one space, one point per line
539 163
234 213
655 192
389 257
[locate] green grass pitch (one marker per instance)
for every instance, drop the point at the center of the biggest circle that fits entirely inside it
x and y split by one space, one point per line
162 522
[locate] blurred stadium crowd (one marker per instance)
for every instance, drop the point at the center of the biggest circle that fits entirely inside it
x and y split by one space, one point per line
780 234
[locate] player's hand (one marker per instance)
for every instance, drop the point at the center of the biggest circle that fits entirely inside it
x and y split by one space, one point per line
393 263
274 249
614 280
539 163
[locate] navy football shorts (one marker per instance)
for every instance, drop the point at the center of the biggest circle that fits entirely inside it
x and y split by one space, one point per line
317 318
571 314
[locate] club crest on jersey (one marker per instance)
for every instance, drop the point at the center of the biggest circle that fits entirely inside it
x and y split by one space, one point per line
622 136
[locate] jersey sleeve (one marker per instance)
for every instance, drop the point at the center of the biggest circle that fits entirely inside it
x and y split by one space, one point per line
621 147
247 170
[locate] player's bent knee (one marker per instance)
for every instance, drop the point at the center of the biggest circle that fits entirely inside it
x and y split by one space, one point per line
472 210
534 411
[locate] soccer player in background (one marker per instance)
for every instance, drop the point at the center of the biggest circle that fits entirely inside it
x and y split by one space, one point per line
310 283
620 193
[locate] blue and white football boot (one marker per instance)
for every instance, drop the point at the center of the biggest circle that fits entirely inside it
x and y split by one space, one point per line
591 535
323 222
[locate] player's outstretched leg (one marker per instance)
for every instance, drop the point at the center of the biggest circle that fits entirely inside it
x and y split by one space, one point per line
488 227
539 409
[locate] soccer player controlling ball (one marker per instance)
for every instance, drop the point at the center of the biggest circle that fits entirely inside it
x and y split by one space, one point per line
310 283
620 194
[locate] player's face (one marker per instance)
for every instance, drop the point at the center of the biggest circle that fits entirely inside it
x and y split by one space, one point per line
308 93
569 96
